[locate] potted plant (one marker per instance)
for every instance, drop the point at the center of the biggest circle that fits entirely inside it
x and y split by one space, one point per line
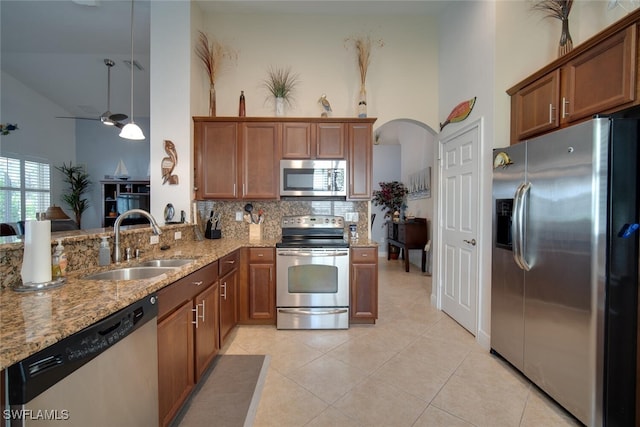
280 83
391 196
79 183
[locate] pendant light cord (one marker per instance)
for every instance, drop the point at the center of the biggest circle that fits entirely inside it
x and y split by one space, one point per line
132 61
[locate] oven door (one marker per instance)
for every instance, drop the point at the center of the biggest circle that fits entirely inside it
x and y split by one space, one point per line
312 288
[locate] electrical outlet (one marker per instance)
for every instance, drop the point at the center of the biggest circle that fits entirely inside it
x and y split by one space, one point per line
177 235
154 240
238 215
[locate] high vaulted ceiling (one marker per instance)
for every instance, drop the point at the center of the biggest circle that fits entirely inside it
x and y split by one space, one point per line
58 47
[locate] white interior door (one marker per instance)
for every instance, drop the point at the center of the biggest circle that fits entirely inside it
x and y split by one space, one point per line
458 247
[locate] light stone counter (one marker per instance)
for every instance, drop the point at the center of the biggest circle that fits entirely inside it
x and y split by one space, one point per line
33 321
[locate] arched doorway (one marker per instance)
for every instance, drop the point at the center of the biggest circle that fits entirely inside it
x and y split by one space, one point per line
403 148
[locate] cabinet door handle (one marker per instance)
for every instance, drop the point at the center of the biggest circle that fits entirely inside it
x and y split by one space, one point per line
260 255
202 317
564 107
364 255
195 310
197 283
233 261
224 293
551 108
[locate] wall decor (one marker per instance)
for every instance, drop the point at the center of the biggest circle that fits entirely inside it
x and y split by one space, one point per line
459 113
8 128
169 163
419 186
558 9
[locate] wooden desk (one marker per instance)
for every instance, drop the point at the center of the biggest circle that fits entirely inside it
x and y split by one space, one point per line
412 234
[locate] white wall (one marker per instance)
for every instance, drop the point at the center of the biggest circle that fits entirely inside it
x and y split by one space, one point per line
40 134
402 78
467 69
170 102
387 166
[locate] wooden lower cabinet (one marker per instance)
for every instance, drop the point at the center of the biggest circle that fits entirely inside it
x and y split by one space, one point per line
258 304
207 328
229 279
186 348
175 361
364 285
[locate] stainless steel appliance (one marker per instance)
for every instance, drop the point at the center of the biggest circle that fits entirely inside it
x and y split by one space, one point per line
565 265
104 375
312 273
325 178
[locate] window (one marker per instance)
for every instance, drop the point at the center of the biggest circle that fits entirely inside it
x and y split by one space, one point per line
24 188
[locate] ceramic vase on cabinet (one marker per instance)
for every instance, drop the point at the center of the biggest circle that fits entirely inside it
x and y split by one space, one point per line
212 100
279 107
362 103
566 44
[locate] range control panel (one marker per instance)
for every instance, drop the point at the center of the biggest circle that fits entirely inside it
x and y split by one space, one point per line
313 221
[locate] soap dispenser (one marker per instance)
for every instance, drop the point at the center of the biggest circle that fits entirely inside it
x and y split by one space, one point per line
59 262
104 255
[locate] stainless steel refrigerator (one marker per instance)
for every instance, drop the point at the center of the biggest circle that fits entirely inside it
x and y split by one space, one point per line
565 265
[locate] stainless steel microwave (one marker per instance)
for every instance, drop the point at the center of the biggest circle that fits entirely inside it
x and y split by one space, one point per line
313 178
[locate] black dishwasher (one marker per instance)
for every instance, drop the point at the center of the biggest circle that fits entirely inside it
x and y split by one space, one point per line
103 375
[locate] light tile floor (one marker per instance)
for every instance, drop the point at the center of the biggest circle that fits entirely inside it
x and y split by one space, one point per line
415 367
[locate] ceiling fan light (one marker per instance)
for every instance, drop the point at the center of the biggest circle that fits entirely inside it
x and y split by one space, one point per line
107 121
132 131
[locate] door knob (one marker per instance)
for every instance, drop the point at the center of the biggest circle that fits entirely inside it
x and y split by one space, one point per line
472 242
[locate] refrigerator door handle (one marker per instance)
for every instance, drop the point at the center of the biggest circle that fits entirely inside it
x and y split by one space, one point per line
519 221
515 228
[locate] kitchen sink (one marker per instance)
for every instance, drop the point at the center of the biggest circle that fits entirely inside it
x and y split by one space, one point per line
170 262
129 273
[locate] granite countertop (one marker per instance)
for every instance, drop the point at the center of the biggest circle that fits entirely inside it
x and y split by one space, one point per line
32 321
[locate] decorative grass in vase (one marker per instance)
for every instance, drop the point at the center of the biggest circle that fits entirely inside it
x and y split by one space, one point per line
558 9
280 84
212 54
363 46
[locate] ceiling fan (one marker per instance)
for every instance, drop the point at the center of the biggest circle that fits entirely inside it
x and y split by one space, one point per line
107 117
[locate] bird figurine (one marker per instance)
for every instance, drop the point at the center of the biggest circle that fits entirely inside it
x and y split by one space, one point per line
169 163
325 105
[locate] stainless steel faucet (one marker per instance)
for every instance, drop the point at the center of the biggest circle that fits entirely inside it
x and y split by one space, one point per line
116 229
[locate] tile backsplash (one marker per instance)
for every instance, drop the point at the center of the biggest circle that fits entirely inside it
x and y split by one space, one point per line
275 210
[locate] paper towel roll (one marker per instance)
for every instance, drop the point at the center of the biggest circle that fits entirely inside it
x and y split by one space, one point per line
36 262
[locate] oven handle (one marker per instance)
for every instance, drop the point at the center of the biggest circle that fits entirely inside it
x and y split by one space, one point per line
301 311
314 254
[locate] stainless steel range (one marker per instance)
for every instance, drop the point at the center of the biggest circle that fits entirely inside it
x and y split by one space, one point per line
312 269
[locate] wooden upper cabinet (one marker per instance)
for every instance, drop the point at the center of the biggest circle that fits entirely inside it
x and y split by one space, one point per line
535 107
296 140
239 157
601 78
305 140
598 77
360 160
330 141
261 160
216 160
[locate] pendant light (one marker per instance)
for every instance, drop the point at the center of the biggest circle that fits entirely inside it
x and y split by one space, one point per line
132 130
